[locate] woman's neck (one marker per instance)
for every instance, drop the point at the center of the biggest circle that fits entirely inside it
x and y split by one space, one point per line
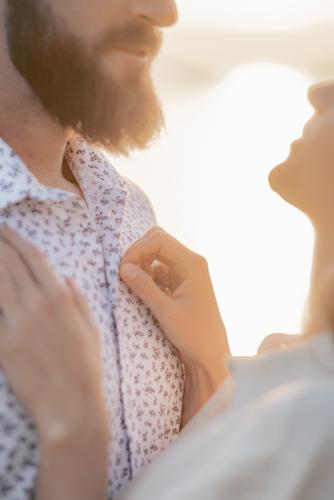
323 264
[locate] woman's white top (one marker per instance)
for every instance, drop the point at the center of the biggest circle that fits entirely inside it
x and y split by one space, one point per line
267 434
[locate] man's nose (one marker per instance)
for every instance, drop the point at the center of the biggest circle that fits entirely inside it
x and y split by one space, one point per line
160 13
321 96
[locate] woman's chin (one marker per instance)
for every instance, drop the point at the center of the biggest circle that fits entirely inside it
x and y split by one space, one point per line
273 178
279 178
283 179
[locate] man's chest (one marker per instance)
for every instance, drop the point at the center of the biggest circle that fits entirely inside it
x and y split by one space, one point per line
142 375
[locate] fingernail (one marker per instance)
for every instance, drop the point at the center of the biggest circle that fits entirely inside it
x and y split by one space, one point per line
129 270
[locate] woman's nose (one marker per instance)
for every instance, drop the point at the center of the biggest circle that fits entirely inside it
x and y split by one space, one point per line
160 13
321 96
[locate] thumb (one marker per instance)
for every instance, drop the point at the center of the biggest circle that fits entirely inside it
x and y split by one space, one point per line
145 288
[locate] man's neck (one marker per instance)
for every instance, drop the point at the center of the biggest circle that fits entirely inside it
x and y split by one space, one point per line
39 143
323 262
28 129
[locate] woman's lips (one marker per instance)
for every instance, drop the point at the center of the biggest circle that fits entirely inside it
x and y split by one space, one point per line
296 146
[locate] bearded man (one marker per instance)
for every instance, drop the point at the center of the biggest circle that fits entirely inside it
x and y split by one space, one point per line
75 79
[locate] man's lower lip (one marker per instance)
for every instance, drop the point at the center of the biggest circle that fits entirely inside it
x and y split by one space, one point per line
139 56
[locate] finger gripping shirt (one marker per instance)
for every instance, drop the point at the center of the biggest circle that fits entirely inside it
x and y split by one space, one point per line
85 238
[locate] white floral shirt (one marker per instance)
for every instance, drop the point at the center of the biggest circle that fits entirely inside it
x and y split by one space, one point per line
85 238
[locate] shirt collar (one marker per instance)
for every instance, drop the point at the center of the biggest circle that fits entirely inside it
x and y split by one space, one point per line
84 159
18 183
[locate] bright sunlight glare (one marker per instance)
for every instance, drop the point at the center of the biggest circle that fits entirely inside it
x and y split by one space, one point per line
207 179
259 247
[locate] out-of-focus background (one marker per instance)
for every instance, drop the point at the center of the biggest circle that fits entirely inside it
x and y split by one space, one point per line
232 78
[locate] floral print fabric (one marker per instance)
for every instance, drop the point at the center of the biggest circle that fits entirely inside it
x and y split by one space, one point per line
85 238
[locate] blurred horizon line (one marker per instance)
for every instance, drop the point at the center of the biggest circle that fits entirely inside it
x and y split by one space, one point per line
201 56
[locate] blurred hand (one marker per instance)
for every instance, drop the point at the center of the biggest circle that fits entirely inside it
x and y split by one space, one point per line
175 284
320 317
49 343
276 341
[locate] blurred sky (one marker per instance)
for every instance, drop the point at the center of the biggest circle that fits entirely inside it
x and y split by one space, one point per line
233 78
266 15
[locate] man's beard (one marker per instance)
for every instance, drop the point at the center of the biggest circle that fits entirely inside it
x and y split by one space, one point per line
71 86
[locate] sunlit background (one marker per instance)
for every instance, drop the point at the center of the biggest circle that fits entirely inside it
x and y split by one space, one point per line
233 78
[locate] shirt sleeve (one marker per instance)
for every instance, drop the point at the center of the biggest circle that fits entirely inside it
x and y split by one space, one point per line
280 448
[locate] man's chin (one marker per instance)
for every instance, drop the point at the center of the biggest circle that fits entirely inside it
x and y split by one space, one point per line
128 119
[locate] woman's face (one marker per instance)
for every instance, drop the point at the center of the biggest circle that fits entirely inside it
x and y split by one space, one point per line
306 178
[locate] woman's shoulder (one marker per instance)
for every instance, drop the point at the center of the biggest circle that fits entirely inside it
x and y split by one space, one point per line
313 394
300 413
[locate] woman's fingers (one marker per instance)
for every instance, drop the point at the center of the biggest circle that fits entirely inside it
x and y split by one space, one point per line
22 278
82 303
276 341
8 302
157 245
34 259
161 275
146 289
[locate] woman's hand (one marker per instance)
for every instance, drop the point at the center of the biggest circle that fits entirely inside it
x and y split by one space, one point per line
175 284
319 316
49 350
